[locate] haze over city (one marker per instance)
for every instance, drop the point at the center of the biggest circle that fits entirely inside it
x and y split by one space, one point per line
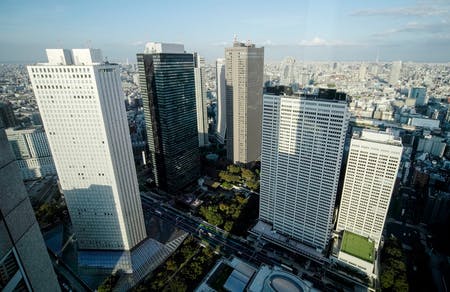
307 30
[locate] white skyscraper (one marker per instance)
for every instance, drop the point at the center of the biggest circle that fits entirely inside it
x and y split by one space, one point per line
302 146
370 176
395 72
221 100
82 106
200 97
362 72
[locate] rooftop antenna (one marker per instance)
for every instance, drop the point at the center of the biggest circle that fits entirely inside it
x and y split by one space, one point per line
235 38
106 59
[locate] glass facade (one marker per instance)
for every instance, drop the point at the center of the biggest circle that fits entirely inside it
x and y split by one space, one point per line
168 93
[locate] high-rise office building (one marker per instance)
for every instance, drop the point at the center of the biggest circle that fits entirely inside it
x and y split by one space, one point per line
221 101
396 69
362 75
419 94
372 167
168 93
200 96
24 261
287 71
7 115
32 152
302 146
82 106
244 67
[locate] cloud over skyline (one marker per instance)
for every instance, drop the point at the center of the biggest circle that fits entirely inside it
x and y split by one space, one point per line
311 30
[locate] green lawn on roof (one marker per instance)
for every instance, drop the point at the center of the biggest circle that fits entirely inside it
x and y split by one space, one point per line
358 246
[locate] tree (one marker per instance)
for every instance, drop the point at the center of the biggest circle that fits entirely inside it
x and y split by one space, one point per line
211 215
387 278
229 177
171 265
108 284
248 174
234 169
253 185
228 226
176 285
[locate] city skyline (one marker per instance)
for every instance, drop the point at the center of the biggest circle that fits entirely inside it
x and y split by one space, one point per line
311 31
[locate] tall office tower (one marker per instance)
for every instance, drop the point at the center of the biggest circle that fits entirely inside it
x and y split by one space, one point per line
168 93
244 67
221 101
362 72
419 94
24 261
82 105
32 152
302 146
395 72
7 115
287 71
200 97
372 167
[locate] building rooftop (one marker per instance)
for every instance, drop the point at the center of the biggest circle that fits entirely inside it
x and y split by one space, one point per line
378 136
163 48
275 279
358 246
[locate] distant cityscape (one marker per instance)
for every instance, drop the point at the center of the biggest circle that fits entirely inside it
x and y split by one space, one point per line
175 173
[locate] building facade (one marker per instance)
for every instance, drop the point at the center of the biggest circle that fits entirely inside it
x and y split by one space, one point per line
244 72
395 74
82 106
168 93
200 97
302 146
32 152
7 115
370 176
24 262
221 101
419 94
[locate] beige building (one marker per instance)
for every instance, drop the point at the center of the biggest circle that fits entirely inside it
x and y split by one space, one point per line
244 67
370 177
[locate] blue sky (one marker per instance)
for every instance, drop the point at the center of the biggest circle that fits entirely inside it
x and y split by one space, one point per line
307 30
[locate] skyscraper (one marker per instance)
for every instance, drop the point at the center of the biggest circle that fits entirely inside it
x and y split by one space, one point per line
168 92
244 66
200 96
7 115
419 94
287 71
221 101
302 146
32 152
24 261
372 167
396 69
81 102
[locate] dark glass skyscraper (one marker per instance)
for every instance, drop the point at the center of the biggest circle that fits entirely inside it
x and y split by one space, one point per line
166 77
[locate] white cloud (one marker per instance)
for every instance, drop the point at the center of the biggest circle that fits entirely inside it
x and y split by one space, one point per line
138 43
320 42
402 11
416 27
